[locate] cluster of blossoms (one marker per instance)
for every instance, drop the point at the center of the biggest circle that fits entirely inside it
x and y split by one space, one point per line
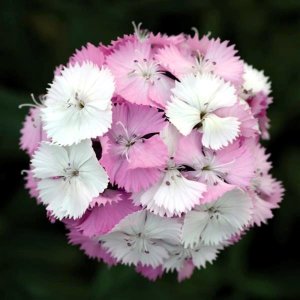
148 150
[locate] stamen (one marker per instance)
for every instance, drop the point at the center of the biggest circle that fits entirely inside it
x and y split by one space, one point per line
142 34
35 103
25 172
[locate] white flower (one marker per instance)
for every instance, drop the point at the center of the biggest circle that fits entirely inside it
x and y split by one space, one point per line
255 81
214 222
193 104
69 177
78 104
200 255
143 238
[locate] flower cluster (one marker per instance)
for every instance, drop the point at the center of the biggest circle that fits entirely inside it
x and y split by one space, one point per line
148 150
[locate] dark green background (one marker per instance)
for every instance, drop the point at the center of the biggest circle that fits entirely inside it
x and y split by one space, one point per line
35 36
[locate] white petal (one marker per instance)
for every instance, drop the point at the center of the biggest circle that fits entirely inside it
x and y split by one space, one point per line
196 95
170 135
233 213
49 161
203 254
255 81
183 116
143 238
219 132
174 194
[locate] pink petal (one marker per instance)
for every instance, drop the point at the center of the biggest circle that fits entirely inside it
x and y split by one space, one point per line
227 64
108 196
135 180
174 61
186 271
216 191
189 149
151 273
91 247
31 185
238 163
32 132
137 119
262 210
277 193
248 126
101 219
88 53
148 153
160 91
122 62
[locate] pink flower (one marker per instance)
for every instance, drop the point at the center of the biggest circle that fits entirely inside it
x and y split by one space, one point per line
139 78
211 56
152 155
132 152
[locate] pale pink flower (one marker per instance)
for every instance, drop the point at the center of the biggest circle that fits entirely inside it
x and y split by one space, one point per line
215 57
139 78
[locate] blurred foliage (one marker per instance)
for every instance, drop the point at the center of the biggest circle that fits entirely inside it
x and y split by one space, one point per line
36 36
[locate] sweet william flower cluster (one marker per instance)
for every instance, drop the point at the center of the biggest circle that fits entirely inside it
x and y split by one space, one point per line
148 150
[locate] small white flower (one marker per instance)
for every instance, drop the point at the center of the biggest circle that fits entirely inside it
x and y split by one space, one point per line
194 103
172 195
69 177
214 222
200 255
78 104
143 238
255 81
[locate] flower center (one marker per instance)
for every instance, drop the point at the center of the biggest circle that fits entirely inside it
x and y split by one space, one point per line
202 64
125 141
70 173
147 69
76 102
139 242
213 212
